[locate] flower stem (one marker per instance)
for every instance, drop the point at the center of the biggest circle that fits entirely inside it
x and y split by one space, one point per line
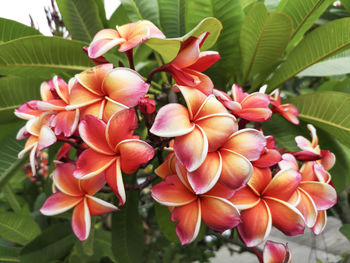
129 54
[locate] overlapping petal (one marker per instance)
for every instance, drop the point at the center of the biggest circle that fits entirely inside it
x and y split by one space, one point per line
276 253
65 181
320 223
245 198
114 179
59 203
323 195
81 220
307 208
98 206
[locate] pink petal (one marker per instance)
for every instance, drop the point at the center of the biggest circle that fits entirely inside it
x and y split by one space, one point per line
218 213
323 195
114 179
303 143
189 52
202 82
46 137
321 222
191 149
59 203
238 94
256 100
64 180
111 107
28 110
222 191
288 162
247 142
172 120
236 169
133 153
93 133
205 60
307 208
172 192
94 184
91 163
66 122
275 252
245 198
194 99
206 176
211 106
80 97
99 207
103 41
189 221
256 224
81 221
46 89
328 159
269 158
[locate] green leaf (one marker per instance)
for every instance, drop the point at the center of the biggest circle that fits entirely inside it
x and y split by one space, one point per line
325 41
345 229
81 18
329 111
263 39
336 65
142 9
14 91
127 232
172 17
18 228
304 14
166 226
54 243
346 4
167 48
102 12
247 3
118 18
11 198
9 254
43 57
10 30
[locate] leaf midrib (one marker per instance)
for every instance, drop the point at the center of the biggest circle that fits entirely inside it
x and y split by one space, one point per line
14 230
81 19
68 67
332 124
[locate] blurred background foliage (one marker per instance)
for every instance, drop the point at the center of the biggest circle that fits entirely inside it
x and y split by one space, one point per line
299 46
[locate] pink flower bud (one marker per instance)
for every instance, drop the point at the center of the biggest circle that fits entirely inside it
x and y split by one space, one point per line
147 105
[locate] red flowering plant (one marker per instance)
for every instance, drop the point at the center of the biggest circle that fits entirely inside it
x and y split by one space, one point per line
125 145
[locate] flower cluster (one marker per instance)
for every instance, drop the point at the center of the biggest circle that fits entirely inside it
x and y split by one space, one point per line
221 169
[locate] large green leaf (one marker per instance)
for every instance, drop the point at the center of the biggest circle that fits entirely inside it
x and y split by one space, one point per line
9 254
172 17
325 41
346 4
166 226
118 18
44 57
336 65
328 110
263 39
14 91
167 48
81 18
10 30
54 243
18 228
127 232
142 9
304 14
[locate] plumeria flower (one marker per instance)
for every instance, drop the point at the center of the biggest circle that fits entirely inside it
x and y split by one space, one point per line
270 155
127 37
201 127
187 66
311 196
288 111
276 253
113 149
251 107
188 208
78 194
39 136
101 91
264 203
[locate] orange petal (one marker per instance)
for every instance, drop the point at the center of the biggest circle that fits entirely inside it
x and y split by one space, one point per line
172 192
307 208
30 143
328 159
247 142
81 221
323 195
133 153
206 176
59 203
92 185
245 198
307 172
256 224
210 106
167 167
194 99
189 221
191 149
285 217
321 222
66 122
61 88
218 213
222 191
111 107
218 128
93 133
288 180
125 86
204 84
96 109
275 253
64 180
189 52
260 179
236 169
114 179
91 163
46 88
98 206
121 127
103 41
205 60
80 97
172 120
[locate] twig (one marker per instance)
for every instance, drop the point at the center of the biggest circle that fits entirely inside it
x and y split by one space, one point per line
140 187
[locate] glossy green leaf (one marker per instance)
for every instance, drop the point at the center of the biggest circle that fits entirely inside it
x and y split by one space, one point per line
102 12
9 254
142 9
263 39
14 91
325 41
43 57
346 4
304 14
329 111
172 17
54 243
10 30
18 228
81 18
166 226
246 3
167 48
118 18
127 232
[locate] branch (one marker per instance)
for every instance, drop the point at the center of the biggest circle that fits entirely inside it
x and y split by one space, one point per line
140 187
